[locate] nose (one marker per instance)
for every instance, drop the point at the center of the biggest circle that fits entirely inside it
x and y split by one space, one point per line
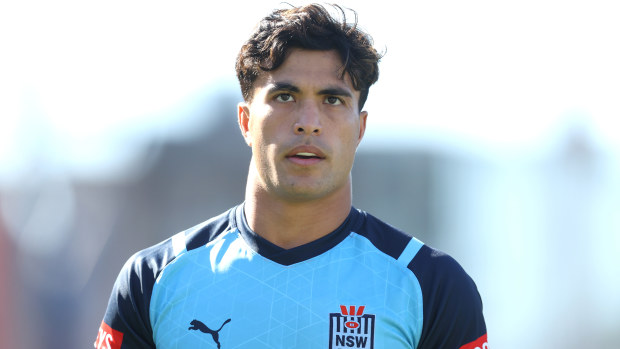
308 120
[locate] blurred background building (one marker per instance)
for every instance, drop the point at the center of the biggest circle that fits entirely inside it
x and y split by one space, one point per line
492 135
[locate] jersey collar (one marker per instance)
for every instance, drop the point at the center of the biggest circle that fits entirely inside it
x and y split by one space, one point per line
300 253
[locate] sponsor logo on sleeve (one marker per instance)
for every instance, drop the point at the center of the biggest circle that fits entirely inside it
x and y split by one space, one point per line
351 328
108 338
480 343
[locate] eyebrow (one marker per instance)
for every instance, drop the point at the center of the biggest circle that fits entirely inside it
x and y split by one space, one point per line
288 87
283 86
336 91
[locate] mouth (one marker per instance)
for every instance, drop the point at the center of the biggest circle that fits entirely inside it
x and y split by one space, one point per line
305 157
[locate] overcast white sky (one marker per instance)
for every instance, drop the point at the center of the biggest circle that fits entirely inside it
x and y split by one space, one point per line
81 78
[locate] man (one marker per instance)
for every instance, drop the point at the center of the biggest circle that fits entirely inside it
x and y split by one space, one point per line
295 265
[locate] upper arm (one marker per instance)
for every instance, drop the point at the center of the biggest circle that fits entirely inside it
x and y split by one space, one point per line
126 323
453 317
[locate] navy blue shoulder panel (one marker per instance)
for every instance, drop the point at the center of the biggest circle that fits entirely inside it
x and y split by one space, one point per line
202 234
452 307
452 304
383 236
128 307
129 304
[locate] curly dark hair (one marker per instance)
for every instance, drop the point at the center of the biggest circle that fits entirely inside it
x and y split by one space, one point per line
308 27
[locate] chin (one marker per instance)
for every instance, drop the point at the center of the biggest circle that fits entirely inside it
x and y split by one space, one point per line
301 193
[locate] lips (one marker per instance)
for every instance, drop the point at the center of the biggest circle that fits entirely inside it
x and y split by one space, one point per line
305 155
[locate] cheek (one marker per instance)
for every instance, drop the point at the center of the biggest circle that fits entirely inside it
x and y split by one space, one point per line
350 136
257 130
272 130
264 142
347 146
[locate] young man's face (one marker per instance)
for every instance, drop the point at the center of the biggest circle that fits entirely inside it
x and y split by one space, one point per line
304 126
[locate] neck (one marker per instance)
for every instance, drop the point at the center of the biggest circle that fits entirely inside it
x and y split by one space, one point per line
292 223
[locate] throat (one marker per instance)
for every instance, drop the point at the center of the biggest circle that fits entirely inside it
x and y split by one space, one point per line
294 226
290 221
295 231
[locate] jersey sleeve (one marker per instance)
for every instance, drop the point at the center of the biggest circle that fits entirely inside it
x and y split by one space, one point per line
452 307
126 323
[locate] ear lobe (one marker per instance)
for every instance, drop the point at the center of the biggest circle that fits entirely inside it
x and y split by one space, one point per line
243 115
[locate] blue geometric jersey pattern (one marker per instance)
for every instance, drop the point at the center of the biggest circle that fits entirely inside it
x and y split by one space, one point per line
219 285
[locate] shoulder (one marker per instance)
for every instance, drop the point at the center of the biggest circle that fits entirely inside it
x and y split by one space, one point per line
433 267
444 282
452 307
128 308
385 237
149 262
452 303
430 266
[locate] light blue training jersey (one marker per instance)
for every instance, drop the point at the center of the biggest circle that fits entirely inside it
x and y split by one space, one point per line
365 285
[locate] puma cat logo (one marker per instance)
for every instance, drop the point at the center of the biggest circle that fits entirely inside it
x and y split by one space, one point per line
198 325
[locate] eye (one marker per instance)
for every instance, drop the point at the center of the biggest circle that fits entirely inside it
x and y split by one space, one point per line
285 97
333 100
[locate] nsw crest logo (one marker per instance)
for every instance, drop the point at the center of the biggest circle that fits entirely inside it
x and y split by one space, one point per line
351 328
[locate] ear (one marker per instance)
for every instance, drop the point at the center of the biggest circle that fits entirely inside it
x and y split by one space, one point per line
363 117
243 115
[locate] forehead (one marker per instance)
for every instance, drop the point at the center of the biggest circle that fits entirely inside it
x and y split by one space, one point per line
309 69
